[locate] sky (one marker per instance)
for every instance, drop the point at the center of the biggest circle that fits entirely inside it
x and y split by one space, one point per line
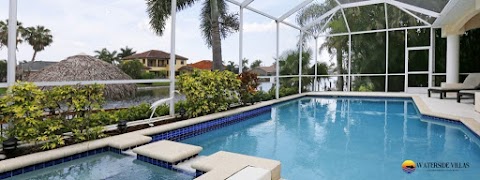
83 26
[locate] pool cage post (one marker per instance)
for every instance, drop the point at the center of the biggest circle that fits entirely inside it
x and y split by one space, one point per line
277 63
172 58
240 43
300 43
315 82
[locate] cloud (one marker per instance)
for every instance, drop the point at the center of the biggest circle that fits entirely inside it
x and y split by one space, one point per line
259 27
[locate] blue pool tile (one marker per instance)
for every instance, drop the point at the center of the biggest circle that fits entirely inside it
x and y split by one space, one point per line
58 161
28 169
6 175
39 166
17 172
49 163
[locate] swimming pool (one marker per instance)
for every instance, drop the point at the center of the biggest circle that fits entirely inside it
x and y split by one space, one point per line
314 138
107 166
349 138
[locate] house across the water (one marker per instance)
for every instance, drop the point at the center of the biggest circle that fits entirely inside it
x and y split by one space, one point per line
156 61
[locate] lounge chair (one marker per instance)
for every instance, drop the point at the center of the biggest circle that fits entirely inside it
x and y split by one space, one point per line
472 82
468 93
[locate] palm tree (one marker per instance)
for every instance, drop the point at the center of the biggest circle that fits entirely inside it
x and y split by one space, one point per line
107 56
38 37
231 67
21 33
216 23
255 64
125 52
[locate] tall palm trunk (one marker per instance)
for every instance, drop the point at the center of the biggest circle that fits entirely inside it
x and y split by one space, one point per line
216 41
34 55
340 81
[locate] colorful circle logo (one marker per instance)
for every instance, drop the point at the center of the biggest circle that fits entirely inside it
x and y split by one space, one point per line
409 166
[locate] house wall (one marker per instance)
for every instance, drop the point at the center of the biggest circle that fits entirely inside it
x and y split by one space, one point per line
157 65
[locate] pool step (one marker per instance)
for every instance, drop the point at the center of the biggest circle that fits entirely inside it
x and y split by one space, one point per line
129 153
187 165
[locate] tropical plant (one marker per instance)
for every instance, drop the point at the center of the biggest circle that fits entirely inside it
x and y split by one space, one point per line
107 56
125 52
289 66
3 70
208 91
255 64
38 37
248 87
216 22
22 106
244 64
133 68
21 33
231 67
147 75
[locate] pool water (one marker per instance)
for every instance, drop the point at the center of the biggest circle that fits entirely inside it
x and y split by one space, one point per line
108 166
346 138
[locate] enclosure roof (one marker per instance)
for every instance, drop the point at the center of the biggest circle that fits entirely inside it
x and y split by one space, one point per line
285 11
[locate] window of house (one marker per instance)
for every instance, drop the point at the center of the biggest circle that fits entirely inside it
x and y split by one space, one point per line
183 62
151 63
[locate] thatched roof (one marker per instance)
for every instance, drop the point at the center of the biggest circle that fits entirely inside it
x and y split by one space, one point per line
87 68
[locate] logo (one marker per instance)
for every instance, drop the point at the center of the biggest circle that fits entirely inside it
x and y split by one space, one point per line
409 166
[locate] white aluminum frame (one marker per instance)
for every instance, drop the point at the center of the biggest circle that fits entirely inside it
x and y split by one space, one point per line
407 8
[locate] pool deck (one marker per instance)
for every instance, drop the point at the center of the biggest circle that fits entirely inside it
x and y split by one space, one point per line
445 108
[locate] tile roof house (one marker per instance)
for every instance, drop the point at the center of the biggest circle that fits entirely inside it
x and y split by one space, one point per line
157 61
203 65
265 70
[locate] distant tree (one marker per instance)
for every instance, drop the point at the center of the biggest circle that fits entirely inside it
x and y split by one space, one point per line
3 70
21 33
38 37
215 22
256 63
245 64
133 68
107 56
125 52
231 67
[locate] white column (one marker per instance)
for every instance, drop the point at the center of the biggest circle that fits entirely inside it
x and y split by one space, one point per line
12 43
349 63
172 58
240 46
300 64
277 65
315 82
453 58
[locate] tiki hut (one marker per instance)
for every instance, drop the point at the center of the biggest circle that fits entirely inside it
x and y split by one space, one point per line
87 68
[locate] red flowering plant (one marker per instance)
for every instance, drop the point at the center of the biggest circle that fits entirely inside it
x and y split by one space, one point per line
248 87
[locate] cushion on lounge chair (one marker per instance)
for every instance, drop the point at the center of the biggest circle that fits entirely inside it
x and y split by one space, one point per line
472 81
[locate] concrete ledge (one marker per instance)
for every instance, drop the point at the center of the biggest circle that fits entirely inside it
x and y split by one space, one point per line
168 151
128 140
222 165
477 102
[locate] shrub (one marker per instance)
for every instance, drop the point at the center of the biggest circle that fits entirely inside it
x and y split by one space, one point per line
133 68
208 91
23 107
248 87
147 75
37 118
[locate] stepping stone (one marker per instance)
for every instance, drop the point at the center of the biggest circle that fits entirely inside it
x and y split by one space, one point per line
168 151
223 165
2 157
